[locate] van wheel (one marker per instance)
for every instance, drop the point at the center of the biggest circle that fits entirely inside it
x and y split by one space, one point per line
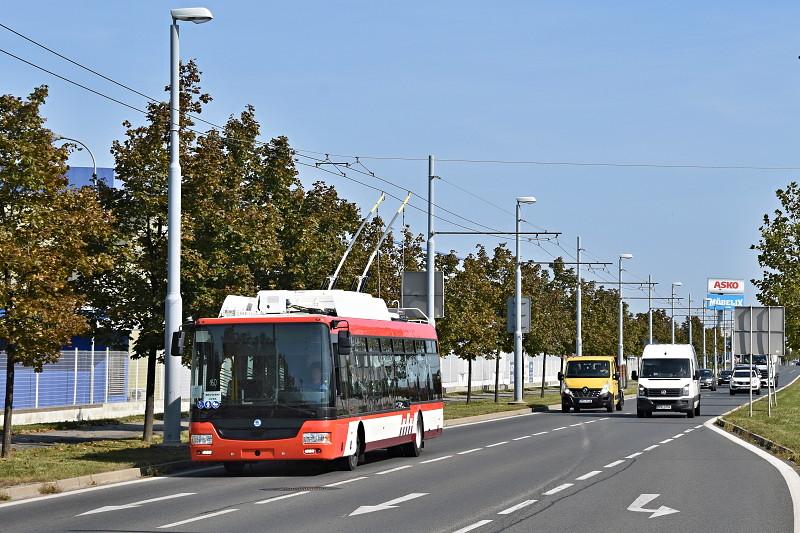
639 413
413 448
610 406
732 392
621 403
564 407
690 413
697 409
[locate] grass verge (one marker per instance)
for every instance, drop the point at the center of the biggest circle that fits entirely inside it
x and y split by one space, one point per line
782 428
62 461
460 409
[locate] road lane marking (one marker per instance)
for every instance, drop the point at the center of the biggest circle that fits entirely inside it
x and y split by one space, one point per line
644 499
393 470
276 498
470 527
517 507
631 456
615 463
573 425
698 426
689 430
133 505
92 489
522 437
540 433
665 441
559 429
679 435
591 421
345 481
558 489
391 504
587 476
434 460
196 518
465 452
604 418
497 444
653 447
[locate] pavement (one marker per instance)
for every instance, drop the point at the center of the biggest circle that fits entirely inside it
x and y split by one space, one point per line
589 471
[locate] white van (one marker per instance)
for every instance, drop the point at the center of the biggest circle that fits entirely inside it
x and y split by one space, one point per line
669 380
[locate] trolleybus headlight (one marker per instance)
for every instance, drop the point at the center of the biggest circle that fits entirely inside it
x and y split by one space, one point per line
201 439
316 438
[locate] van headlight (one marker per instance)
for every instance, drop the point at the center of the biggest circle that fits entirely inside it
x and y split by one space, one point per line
686 390
567 391
604 390
316 438
201 439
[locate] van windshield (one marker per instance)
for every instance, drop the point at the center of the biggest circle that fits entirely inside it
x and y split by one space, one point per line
665 368
587 369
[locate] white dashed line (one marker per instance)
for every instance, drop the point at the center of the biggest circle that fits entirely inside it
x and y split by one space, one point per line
559 429
679 435
591 422
604 418
196 518
665 441
497 444
465 452
587 476
573 425
522 437
470 527
631 456
615 463
540 433
557 489
434 460
653 447
276 498
698 426
689 430
393 470
517 507
345 481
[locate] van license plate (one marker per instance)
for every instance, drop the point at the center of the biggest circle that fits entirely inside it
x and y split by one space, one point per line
663 406
584 401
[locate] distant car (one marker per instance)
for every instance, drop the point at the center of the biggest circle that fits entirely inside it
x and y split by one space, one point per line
707 380
724 377
744 380
797 362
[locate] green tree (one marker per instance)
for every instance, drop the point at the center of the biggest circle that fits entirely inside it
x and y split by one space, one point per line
46 234
779 258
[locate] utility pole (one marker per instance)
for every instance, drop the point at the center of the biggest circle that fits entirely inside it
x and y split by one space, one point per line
431 263
578 331
705 358
691 339
650 308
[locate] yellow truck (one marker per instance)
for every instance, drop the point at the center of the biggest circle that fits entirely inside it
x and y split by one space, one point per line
591 382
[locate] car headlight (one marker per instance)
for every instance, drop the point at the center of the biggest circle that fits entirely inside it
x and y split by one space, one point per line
604 390
686 390
567 391
642 390
316 438
201 439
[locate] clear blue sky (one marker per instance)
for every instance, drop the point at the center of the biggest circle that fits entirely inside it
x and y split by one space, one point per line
654 82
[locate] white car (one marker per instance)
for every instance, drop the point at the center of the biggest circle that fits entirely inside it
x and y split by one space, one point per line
744 380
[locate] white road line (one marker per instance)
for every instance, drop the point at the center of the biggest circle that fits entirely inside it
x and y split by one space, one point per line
88 489
497 444
653 447
591 422
604 418
573 425
465 452
689 430
698 426
517 507
540 433
393 470
679 435
470 527
134 505
631 456
522 437
196 518
615 463
558 489
345 481
559 429
666 441
434 460
587 476
276 498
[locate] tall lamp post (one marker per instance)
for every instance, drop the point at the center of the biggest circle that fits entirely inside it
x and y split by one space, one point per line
57 137
518 370
672 308
620 345
173 305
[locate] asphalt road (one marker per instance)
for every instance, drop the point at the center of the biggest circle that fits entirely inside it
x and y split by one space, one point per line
591 471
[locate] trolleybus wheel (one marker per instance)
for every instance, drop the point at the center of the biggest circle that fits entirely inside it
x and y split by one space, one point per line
413 448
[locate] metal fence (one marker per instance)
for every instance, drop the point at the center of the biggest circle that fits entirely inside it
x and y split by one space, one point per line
79 377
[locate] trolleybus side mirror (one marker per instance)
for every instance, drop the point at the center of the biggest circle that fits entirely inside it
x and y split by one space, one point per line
176 350
343 344
560 376
635 375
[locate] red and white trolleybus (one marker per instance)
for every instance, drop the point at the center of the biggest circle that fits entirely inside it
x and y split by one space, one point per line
311 375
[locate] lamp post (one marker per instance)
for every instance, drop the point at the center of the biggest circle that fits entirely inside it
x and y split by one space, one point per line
57 137
518 370
672 308
173 305
620 345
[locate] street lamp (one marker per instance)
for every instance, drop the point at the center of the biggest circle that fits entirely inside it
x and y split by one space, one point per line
620 346
173 305
57 137
672 308
518 373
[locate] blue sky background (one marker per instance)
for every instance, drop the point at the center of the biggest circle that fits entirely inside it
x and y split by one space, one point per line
653 82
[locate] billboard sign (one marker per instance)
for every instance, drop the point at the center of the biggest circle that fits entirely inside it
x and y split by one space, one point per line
725 286
719 302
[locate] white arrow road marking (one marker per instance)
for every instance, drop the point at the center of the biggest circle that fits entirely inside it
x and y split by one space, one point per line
135 504
391 504
644 499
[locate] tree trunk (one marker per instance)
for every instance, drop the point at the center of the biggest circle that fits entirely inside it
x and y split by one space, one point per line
9 402
469 380
149 401
496 375
544 366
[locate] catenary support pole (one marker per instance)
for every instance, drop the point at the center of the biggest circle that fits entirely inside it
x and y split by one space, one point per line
649 309
431 262
578 332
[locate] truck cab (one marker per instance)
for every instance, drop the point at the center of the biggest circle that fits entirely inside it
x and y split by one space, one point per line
591 382
669 380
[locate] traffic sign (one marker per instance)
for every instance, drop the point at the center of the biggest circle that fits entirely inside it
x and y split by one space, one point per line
511 314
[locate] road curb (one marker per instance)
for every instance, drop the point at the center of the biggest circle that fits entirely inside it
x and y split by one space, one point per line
32 490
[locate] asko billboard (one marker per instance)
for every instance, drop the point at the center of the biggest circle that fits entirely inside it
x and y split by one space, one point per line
726 286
